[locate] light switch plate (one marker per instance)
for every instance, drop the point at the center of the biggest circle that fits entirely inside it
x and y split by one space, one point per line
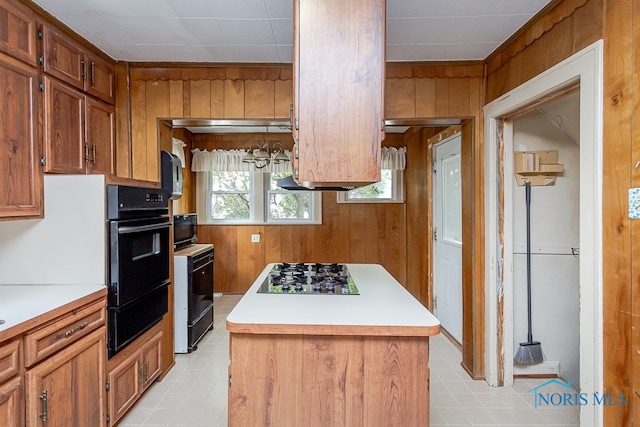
255 238
634 203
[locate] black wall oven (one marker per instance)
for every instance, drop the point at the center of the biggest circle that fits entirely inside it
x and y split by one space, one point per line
139 250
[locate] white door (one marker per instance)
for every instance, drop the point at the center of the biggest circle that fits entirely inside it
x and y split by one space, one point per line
448 237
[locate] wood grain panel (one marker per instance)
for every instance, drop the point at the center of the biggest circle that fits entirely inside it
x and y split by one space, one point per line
138 130
443 99
123 121
617 308
259 98
217 99
176 97
283 98
233 99
200 98
157 104
425 97
635 228
399 98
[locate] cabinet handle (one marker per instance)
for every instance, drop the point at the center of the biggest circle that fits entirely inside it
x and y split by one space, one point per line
146 371
93 154
43 400
83 73
73 330
140 377
92 73
83 325
86 152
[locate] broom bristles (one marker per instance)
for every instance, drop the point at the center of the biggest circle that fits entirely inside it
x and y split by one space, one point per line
529 353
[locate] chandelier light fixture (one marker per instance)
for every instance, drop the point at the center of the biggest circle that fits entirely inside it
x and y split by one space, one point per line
266 152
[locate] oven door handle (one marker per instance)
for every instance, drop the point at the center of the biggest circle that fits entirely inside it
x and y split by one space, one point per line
139 228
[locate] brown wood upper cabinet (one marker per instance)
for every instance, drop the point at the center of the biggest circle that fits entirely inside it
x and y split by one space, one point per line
79 131
21 192
18 32
72 63
339 72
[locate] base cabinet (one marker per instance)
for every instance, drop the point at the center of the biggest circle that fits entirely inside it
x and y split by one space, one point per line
10 412
67 389
128 381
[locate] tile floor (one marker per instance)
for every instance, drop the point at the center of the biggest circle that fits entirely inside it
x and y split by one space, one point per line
194 392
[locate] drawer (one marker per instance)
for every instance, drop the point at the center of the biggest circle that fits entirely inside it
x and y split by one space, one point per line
9 359
59 334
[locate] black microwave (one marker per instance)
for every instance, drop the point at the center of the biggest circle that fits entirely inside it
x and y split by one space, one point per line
185 230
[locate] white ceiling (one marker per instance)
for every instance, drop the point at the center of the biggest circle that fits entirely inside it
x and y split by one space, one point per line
260 31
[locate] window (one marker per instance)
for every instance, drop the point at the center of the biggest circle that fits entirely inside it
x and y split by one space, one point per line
245 197
390 189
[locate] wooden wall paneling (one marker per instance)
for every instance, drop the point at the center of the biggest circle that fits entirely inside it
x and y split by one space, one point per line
635 226
562 35
176 99
459 100
217 99
123 121
272 244
283 98
443 101
233 99
259 99
587 24
425 97
138 130
358 233
250 257
399 98
617 298
157 103
200 98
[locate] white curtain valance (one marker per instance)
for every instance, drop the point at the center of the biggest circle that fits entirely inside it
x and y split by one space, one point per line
231 161
178 150
394 158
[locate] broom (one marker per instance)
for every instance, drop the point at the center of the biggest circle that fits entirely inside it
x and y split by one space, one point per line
529 352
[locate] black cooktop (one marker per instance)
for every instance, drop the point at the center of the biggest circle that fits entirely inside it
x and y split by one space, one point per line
309 279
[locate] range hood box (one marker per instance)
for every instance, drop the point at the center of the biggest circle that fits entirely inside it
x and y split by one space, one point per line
288 183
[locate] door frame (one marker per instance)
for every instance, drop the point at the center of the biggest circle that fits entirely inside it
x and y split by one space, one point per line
585 68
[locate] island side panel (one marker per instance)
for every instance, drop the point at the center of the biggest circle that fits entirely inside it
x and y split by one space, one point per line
312 380
264 375
396 376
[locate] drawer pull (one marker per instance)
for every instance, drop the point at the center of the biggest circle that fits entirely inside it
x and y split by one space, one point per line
43 399
146 371
73 330
140 376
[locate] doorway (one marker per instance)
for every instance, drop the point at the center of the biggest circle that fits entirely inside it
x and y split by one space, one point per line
447 236
583 68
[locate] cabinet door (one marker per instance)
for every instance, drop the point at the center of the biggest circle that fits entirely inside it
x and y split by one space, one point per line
67 389
20 172
18 38
63 57
64 137
100 136
125 386
151 357
10 403
100 80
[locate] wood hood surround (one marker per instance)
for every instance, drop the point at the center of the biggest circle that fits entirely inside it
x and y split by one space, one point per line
339 72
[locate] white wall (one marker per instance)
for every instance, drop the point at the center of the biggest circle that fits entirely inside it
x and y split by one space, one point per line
554 231
68 246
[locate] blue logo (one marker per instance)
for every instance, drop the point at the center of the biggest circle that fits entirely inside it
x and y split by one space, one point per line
543 397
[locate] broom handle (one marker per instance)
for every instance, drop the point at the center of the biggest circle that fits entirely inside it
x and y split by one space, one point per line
528 219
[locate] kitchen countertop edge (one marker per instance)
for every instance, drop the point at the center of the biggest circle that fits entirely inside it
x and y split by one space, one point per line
88 294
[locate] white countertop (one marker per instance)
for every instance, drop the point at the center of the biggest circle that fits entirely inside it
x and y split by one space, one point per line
384 307
21 303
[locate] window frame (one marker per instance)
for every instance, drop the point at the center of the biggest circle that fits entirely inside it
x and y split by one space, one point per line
397 190
258 196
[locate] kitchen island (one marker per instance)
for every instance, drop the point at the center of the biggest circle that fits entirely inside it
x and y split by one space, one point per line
331 360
